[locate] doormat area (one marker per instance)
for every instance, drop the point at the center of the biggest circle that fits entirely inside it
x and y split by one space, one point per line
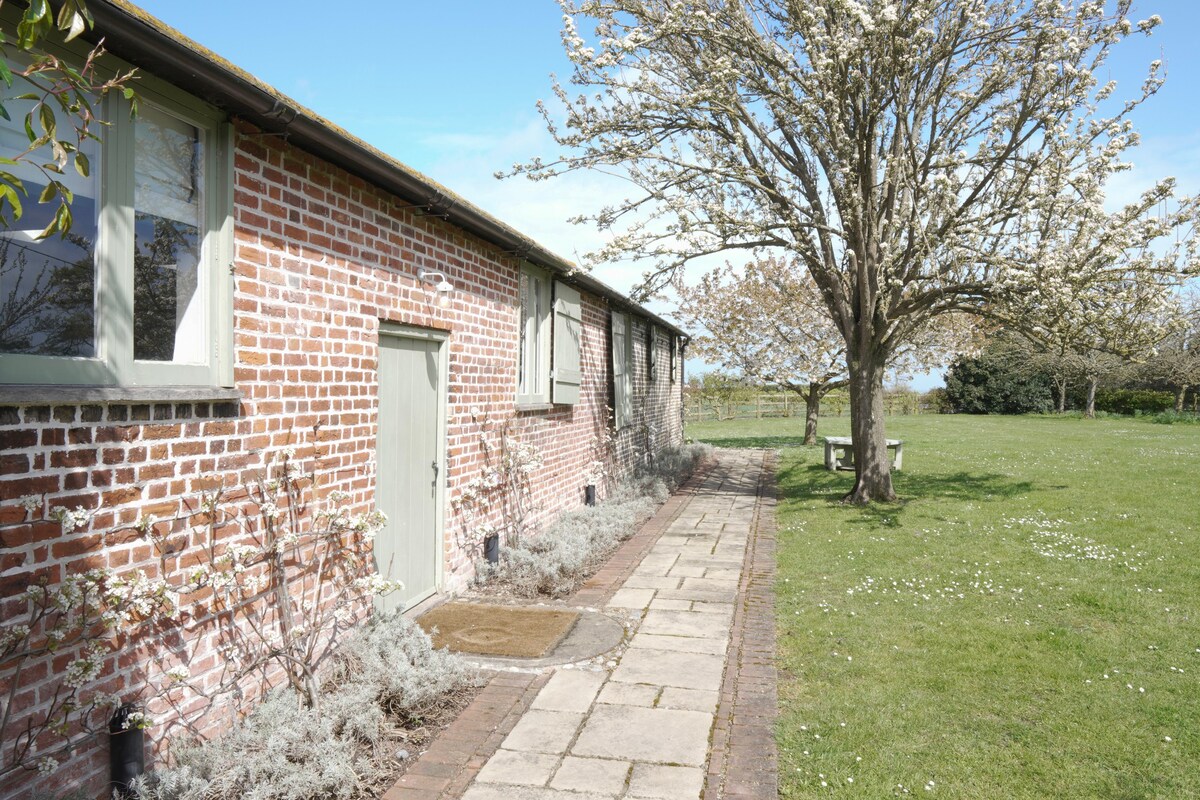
516 631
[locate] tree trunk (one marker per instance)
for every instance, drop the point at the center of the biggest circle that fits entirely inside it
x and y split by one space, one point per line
872 466
1061 385
1090 413
812 408
1179 397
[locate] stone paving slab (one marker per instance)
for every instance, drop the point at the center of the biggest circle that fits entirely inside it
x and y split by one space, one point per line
664 668
685 623
491 791
591 774
544 731
510 766
684 644
652 780
570 690
661 735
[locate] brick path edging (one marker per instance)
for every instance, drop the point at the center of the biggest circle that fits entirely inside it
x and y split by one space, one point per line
743 761
456 755
460 751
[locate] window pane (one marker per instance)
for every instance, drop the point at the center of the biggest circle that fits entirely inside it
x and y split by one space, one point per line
522 368
532 377
48 286
168 301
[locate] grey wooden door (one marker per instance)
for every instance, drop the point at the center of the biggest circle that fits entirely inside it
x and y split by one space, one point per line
408 457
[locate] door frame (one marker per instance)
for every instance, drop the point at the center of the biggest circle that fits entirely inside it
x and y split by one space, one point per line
442 339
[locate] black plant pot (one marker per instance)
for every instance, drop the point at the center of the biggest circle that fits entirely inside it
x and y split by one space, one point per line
126 751
491 548
589 494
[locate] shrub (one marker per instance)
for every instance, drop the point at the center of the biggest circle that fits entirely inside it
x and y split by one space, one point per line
344 751
937 401
1134 401
1176 418
556 562
1001 379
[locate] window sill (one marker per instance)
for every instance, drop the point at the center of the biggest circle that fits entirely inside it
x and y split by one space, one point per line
30 394
535 406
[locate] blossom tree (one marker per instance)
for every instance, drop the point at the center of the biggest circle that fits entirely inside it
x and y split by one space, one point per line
1177 360
768 322
908 153
1097 329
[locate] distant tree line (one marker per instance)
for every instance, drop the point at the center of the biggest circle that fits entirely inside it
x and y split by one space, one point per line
1009 375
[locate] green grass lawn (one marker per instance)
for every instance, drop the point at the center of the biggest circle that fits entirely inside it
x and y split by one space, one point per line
1022 624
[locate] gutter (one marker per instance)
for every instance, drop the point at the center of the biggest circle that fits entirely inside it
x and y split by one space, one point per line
133 35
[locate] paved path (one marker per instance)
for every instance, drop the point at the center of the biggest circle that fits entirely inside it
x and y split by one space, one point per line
686 713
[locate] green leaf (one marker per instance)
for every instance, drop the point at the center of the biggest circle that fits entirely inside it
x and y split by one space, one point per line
71 20
5 73
82 165
4 113
49 193
47 119
60 224
35 23
8 193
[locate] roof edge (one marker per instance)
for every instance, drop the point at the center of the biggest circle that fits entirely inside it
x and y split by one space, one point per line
135 36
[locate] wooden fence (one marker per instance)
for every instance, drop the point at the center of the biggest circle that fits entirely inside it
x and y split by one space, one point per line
700 407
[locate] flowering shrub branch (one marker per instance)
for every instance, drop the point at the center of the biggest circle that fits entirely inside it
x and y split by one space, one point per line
600 470
499 501
285 574
86 614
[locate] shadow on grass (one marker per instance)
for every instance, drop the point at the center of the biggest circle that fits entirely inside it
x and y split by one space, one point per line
806 481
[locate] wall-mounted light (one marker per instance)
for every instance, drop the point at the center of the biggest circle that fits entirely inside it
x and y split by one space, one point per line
438 279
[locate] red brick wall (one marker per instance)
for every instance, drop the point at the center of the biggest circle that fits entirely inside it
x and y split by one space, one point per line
321 258
657 420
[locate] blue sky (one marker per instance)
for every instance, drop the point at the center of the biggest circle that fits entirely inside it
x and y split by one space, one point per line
450 88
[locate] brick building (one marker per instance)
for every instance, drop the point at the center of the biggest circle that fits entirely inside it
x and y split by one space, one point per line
245 271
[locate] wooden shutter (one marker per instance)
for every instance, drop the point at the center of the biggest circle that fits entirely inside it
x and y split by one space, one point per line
622 390
568 327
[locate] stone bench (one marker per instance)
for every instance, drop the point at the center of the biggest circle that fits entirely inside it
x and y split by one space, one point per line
844 456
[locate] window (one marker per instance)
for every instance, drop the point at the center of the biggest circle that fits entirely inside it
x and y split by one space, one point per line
551 331
671 345
651 353
621 362
138 293
533 382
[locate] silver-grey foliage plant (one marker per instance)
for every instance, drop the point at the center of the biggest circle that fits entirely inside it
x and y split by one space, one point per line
556 562
386 673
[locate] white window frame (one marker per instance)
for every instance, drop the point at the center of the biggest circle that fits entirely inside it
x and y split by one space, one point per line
622 368
113 364
536 312
672 344
651 352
